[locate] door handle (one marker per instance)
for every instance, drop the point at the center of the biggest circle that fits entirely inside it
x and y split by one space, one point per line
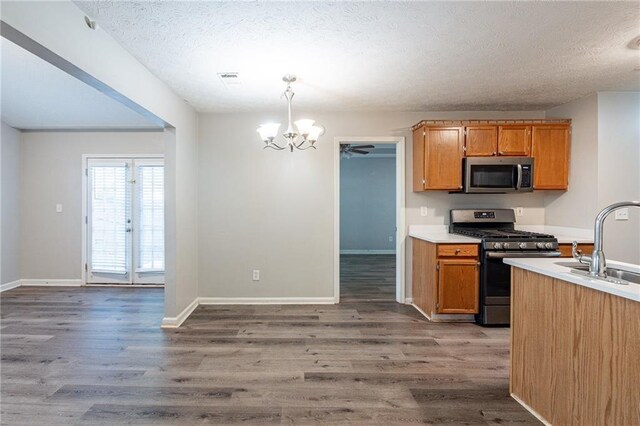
128 230
519 181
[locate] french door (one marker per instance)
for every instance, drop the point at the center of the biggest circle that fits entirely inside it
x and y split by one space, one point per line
125 221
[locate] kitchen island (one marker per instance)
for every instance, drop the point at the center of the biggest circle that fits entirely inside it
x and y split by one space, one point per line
575 345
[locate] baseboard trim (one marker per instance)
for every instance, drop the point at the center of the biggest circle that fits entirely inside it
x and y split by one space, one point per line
51 283
408 301
175 322
9 286
266 300
367 252
531 410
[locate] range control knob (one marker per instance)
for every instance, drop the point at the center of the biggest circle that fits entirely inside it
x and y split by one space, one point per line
506 245
522 245
497 246
548 245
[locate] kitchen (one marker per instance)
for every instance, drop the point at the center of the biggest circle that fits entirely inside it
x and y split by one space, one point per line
513 124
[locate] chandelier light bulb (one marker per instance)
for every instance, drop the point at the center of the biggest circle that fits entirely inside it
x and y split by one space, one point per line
268 131
304 126
314 133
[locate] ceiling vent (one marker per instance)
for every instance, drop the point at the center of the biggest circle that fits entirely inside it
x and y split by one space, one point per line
230 78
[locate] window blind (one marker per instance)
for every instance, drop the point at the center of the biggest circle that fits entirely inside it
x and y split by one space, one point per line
151 218
110 206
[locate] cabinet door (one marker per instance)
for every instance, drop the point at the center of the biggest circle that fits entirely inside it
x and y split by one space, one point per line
514 140
458 286
418 159
481 141
550 152
443 150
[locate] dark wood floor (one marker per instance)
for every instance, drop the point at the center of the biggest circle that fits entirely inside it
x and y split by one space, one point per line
367 278
97 356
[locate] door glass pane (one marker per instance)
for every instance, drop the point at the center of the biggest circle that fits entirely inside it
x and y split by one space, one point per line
492 176
109 213
151 220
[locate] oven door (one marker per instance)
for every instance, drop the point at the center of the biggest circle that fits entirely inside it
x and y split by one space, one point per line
494 175
495 285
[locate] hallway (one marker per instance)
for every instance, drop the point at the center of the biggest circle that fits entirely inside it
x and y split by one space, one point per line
367 278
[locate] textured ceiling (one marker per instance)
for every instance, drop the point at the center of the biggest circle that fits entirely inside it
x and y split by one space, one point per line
37 95
381 55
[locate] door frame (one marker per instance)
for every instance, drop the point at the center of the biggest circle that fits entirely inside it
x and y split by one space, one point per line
401 232
85 225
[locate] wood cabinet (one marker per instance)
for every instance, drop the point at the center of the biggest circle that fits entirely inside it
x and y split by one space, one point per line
481 141
514 140
565 249
445 279
550 152
439 147
437 158
458 286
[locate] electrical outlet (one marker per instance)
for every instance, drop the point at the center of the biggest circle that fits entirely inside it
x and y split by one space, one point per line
622 214
424 211
519 211
58 208
256 275
390 238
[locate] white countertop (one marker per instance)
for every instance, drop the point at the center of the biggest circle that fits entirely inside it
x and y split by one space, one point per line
548 267
440 234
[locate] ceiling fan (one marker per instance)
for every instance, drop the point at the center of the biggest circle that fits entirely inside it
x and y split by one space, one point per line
347 150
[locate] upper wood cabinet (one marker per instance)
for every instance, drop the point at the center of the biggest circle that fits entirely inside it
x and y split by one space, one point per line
437 158
481 141
514 140
550 152
439 147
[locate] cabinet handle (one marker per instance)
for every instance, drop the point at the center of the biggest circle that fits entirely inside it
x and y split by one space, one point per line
494 153
501 153
457 251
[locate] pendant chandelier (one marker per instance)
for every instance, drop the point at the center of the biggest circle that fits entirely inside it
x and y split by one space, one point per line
305 128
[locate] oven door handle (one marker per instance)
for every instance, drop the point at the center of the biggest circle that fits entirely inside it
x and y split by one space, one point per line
494 255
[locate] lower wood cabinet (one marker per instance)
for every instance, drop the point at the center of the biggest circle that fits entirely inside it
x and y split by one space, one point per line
565 249
445 278
458 286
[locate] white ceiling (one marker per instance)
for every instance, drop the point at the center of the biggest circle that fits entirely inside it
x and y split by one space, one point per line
37 95
381 55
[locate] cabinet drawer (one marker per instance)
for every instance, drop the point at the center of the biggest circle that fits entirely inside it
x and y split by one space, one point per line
457 250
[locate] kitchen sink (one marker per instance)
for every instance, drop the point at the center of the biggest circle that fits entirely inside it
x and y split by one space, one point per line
614 275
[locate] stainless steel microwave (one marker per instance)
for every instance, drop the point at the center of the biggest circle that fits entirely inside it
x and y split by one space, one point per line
497 174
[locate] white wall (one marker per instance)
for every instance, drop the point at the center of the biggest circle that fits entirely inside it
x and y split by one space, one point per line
367 203
60 27
10 205
52 173
605 168
578 206
273 211
619 170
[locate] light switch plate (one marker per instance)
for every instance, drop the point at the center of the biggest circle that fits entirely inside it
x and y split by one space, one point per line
519 211
424 211
622 214
256 275
58 208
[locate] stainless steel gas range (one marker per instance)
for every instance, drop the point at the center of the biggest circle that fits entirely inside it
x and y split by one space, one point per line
499 239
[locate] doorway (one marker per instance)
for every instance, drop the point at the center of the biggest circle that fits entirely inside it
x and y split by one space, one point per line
369 215
124 221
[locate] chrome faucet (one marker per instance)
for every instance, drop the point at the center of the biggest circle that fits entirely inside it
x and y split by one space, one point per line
597 262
